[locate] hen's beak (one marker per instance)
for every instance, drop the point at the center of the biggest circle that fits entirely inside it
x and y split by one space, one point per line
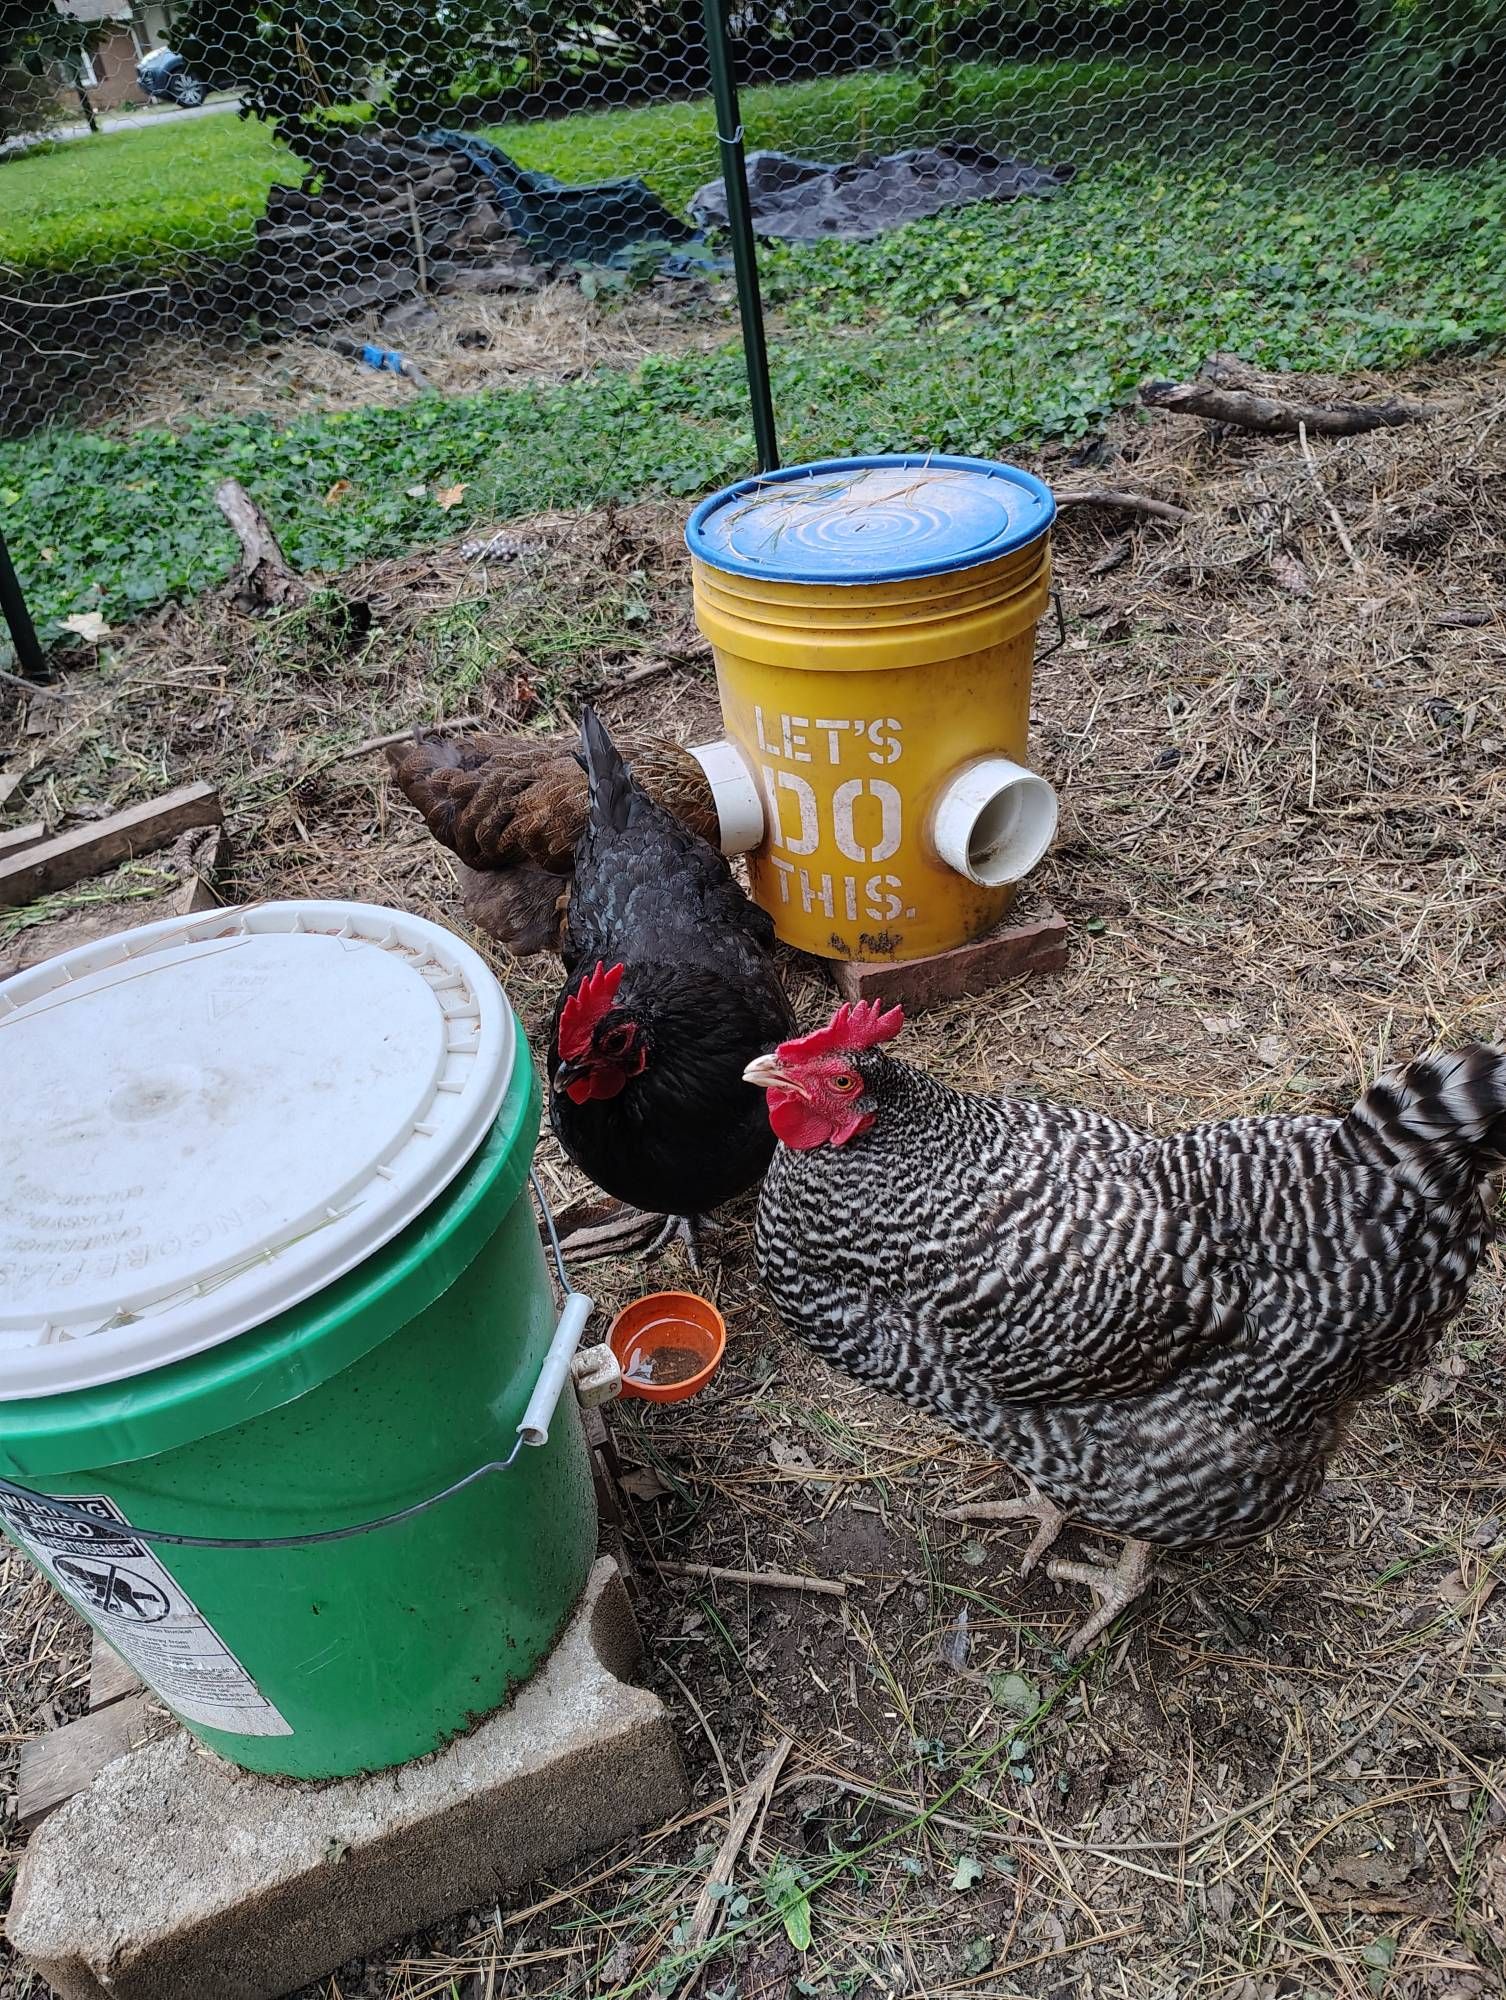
767 1074
568 1073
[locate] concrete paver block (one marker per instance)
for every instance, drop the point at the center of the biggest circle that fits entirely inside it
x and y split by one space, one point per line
176 1876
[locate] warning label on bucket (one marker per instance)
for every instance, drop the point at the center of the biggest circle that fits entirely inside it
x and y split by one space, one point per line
145 1614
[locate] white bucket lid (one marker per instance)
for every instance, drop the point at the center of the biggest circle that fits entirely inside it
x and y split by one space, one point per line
210 1119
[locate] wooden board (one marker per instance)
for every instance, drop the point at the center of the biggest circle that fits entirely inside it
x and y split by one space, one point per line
88 850
110 1679
53 1767
20 837
1012 952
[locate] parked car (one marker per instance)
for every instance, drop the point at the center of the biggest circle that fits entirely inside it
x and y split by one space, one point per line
165 75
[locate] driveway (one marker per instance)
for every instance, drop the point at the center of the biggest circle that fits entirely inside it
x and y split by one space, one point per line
123 121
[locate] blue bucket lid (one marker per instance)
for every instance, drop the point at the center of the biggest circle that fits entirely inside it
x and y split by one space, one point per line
870 520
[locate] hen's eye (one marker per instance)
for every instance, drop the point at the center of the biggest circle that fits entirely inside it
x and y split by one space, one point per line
617 1042
844 1083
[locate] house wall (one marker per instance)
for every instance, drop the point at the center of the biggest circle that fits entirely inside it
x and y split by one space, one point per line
113 62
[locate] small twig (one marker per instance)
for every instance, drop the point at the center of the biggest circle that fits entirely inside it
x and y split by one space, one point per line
1462 620
372 743
1118 501
33 687
1333 512
418 243
766 1579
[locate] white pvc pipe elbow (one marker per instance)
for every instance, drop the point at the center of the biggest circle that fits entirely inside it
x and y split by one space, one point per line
993 821
739 809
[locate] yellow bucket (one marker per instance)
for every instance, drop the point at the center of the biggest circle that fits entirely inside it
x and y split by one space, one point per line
873 622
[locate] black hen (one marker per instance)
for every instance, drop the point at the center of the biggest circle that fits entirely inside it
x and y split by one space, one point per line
671 993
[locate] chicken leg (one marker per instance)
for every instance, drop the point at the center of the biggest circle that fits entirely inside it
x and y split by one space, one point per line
1037 1508
1114 1585
691 1230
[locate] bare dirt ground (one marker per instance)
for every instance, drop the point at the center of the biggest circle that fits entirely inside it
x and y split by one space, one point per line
1283 859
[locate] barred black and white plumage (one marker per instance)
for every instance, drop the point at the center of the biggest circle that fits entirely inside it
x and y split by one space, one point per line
1164 1336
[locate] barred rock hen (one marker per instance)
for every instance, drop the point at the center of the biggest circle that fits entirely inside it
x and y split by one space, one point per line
511 808
1163 1336
671 992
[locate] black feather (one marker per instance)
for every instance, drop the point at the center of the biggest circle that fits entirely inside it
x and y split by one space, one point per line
687 1133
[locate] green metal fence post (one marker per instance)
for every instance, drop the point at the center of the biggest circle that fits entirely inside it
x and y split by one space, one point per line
29 656
729 132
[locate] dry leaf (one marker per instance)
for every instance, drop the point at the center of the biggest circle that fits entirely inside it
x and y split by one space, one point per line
1455 1591
1273 1050
1222 1026
87 624
337 492
1367 1871
448 496
419 492
641 1482
1289 575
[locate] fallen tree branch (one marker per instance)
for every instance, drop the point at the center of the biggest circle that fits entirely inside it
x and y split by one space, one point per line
1322 492
1116 500
1249 410
262 581
710 1902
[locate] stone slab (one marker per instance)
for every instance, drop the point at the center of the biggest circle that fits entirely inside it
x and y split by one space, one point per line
176 1876
1011 952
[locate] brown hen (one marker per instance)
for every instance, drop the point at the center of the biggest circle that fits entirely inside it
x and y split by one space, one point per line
511 809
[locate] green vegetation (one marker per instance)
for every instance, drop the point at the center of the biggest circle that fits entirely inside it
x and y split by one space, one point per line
986 330
1041 111
140 199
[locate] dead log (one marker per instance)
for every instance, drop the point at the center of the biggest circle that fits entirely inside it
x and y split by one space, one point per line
1270 416
262 581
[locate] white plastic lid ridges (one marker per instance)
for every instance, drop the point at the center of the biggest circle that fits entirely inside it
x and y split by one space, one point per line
207 1120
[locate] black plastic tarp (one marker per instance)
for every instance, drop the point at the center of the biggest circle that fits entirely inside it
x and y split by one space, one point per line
801 201
613 222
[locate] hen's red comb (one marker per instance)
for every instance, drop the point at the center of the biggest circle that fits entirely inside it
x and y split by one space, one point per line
861 1026
585 1007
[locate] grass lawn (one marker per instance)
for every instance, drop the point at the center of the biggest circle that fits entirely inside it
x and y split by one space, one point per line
986 330
140 199
1047 110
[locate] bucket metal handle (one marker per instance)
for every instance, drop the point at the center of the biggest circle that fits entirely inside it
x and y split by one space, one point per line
1061 626
533 1432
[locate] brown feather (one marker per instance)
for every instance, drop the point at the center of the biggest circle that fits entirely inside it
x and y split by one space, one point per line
512 808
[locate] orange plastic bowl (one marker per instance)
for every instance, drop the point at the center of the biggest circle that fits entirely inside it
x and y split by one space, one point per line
668 1345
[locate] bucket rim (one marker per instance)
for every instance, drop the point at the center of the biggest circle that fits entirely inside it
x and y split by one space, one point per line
1017 537
77 1431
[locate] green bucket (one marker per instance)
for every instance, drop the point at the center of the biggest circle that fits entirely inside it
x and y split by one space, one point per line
346 1314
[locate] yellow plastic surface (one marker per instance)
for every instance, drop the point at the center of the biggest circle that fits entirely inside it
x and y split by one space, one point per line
854 704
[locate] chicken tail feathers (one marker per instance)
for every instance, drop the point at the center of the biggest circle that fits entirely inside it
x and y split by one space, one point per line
1439 1125
606 774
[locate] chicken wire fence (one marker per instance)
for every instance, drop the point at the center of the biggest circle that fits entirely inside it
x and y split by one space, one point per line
356 175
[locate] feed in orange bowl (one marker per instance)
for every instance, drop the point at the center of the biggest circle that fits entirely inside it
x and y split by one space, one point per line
668 1345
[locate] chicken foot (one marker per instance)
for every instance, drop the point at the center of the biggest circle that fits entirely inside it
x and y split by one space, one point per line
1114 1585
1037 1508
691 1230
